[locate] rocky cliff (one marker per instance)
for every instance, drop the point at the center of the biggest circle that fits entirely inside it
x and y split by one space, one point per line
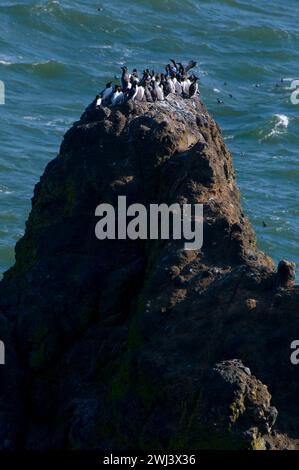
140 344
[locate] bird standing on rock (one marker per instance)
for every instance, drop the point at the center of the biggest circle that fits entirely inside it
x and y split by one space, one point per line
140 93
118 96
135 76
125 79
147 93
132 92
193 89
106 94
168 87
178 86
98 100
151 86
94 103
185 84
157 92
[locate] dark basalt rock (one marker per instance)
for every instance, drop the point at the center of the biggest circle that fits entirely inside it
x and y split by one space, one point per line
109 343
286 273
236 403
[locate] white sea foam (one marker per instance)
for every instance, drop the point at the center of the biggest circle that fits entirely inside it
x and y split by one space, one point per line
4 190
229 137
30 118
280 126
283 120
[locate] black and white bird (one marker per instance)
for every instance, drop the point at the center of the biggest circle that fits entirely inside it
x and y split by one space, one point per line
185 84
175 67
125 79
134 75
157 92
94 103
190 65
98 100
140 92
132 92
106 94
118 96
193 89
150 86
147 92
178 86
168 87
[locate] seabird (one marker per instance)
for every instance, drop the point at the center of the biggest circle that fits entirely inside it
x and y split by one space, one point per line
147 93
175 67
125 78
132 92
156 91
167 86
93 104
168 70
193 89
186 83
152 85
140 93
159 91
118 96
172 85
106 94
181 69
178 86
135 76
99 100
190 65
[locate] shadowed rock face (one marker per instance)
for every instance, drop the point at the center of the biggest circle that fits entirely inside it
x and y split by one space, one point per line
109 343
244 407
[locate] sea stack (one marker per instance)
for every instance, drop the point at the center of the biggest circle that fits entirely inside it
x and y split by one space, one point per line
129 344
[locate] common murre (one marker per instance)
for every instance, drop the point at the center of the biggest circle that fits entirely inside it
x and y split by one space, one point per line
125 78
106 94
193 89
118 96
152 86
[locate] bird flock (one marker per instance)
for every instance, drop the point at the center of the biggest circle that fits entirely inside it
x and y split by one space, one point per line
150 86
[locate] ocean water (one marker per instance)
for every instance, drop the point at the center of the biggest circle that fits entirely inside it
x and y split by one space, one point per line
55 56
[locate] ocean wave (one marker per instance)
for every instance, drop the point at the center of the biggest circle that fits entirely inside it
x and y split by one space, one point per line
46 69
267 35
50 68
281 124
24 10
4 190
59 18
30 118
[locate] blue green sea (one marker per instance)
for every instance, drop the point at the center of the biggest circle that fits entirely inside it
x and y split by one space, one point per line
55 56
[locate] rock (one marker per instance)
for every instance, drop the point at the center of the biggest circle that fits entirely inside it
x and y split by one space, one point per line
109 343
251 304
286 273
235 401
